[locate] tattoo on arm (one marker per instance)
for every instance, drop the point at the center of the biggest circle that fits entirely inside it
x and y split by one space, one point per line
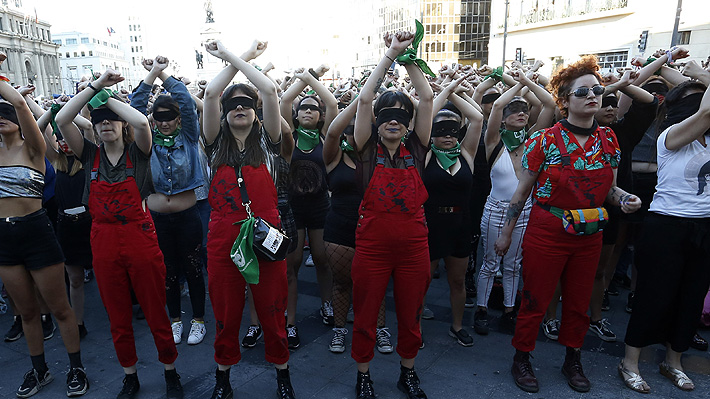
379 84
514 211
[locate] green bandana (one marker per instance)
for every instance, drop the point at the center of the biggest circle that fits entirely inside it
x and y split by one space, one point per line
512 140
242 252
497 74
346 147
166 140
447 158
308 139
410 54
100 98
55 109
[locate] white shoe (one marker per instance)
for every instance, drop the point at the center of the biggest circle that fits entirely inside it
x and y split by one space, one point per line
177 331
197 332
309 261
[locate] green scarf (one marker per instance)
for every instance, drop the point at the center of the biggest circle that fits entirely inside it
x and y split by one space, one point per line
410 54
308 139
512 140
165 140
346 147
242 252
497 74
55 109
447 158
100 98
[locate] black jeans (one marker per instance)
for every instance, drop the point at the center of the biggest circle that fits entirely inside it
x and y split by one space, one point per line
180 240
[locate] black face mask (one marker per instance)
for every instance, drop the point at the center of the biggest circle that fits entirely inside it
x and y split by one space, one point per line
7 111
99 115
244 101
490 98
682 110
393 114
610 100
165 116
445 128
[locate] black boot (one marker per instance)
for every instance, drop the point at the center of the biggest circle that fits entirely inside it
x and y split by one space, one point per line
409 383
131 386
283 379
364 388
222 389
173 387
572 369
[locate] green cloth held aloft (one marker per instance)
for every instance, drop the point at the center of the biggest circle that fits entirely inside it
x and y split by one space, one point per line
410 53
54 110
165 140
307 139
650 60
447 158
242 252
100 98
497 74
346 147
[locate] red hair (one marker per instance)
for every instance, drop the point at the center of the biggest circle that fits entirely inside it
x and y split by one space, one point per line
561 82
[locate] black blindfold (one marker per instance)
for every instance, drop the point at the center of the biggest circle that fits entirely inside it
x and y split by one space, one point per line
245 102
656 87
393 114
490 98
610 100
312 107
99 115
165 116
445 128
7 111
515 107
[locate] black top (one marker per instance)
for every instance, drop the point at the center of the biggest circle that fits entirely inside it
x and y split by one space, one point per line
69 190
307 171
446 190
345 197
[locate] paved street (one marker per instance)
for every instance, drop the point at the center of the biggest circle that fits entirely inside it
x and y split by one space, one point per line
446 369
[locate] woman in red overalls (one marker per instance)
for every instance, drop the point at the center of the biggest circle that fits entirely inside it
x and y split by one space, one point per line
241 143
391 237
123 240
571 165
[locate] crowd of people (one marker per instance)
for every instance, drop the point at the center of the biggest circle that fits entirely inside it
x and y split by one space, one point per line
384 180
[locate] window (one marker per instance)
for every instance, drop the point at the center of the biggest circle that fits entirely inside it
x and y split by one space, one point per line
82 54
70 41
84 40
611 61
684 37
67 54
131 39
57 41
129 28
91 53
75 55
104 43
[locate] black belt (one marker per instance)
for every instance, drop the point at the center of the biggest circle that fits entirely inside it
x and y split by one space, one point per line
73 217
25 218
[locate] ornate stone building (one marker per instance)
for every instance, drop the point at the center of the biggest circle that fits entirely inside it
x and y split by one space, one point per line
31 55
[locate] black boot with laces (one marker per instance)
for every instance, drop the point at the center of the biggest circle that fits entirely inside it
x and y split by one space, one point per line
364 388
222 389
409 384
284 390
173 387
131 386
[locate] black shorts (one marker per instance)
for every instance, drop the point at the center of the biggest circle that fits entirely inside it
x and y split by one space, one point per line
288 225
340 229
73 234
309 210
449 235
30 241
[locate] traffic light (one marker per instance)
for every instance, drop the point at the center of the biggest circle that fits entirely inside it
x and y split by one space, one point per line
643 38
519 54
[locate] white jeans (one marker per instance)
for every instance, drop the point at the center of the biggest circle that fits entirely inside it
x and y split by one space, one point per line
492 221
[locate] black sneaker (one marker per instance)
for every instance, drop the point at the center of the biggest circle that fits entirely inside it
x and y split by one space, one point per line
551 329
173 387
48 326
601 329
480 322
222 389
131 386
630 302
409 384
507 323
605 302
253 335
292 336
77 383
470 302
462 336
33 383
82 331
326 312
612 290
16 331
699 343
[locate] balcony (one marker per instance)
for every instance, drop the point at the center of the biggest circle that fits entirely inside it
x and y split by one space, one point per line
563 12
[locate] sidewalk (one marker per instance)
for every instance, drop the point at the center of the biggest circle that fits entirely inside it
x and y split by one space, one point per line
446 369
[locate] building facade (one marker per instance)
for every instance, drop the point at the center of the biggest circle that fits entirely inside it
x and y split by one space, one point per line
32 57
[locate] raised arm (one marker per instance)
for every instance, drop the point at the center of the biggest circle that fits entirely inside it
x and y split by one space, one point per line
331 145
469 144
545 117
289 96
495 119
692 128
30 131
481 89
424 112
328 99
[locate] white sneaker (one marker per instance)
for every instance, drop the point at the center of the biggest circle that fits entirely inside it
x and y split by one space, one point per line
427 314
309 261
177 331
197 332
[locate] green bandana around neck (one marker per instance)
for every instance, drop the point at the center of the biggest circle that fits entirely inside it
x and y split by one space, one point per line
165 140
308 139
100 98
346 147
512 140
447 158
242 252
410 53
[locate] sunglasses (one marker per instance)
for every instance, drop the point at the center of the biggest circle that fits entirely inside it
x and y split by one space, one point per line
598 90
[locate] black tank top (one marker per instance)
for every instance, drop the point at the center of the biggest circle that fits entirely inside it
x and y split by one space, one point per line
345 197
446 190
307 171
69 190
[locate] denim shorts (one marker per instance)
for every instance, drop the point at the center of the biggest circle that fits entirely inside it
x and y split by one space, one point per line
30 241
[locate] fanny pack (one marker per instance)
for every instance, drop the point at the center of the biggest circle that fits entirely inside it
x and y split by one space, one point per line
257 239
580 221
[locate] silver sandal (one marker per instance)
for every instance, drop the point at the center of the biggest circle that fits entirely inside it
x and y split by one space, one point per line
677 376
632 380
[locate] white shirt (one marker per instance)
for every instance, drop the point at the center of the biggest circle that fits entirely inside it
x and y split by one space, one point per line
683 187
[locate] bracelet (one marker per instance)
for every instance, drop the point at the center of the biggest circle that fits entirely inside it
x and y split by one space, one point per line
4 79
313 73
670 57
93 88
391 59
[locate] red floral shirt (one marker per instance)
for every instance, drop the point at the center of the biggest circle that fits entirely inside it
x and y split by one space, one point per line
542 155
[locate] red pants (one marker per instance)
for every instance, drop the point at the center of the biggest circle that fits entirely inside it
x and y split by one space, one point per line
550 255
125 256
227 294
389 245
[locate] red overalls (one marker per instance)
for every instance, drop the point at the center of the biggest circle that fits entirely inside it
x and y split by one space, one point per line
551 255
226 284
126 254
391 240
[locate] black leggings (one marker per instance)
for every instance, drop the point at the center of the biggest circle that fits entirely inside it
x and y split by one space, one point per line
180 240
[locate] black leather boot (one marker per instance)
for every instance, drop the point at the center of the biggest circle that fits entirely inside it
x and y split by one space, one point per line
284 390
409 383
222 389
364 388
523 372
572 369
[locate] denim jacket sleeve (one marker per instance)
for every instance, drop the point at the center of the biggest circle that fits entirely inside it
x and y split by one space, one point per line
139 100
188 110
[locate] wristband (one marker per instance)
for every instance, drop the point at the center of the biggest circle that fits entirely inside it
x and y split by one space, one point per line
4 79
391 59
90 86
313 73
670 57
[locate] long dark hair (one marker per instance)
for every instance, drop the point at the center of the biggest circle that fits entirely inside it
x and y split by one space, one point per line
226 151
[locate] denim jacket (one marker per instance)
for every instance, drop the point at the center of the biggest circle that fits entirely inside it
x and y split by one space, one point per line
175 169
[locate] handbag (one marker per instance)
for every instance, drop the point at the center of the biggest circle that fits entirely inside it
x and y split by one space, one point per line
268 242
